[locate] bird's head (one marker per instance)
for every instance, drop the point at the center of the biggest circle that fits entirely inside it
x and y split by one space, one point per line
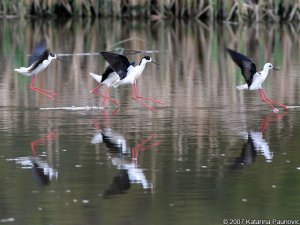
147 59
53 56
269 66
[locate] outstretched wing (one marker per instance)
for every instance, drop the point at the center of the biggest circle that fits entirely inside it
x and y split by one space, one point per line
248 68
118 63
40 52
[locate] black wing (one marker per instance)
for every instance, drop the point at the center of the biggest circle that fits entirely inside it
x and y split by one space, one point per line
247 66
118 63
40 52
108 70
39 61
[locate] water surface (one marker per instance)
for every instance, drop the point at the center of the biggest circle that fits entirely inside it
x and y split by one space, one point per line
209 153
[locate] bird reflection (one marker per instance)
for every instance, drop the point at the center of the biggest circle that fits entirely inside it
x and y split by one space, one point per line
130 172
42 172
124 158
256 144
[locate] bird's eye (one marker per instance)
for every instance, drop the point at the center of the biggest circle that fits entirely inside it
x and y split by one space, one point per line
270 66
51 54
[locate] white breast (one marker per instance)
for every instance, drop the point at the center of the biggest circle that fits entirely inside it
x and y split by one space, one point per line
41 67
258 79
129 79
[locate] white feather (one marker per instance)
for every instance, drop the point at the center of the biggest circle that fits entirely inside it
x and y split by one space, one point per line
38 69
242 87
96 77
24 71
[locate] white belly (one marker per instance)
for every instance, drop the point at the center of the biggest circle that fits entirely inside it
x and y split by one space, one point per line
132 75
26 70
258 79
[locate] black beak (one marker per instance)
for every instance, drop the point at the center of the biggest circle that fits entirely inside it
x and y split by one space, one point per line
155 62
276 69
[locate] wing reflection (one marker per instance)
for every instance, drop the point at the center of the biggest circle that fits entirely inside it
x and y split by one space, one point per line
256 144
124 158
120 184
42 172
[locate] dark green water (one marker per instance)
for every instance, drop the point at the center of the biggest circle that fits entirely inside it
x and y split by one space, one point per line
209 153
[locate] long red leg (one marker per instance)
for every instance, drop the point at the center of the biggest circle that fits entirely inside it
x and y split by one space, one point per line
41 91
95 92
104 98
262 96
138 100
138 96
274 102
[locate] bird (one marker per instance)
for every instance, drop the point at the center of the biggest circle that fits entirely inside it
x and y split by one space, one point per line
108 78
253 78
120 72
39 60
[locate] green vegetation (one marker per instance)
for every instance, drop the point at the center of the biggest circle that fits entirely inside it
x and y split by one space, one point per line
229 10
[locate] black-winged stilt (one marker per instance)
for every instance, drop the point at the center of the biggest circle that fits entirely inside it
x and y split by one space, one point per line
120 72
253 78
39 59
108 78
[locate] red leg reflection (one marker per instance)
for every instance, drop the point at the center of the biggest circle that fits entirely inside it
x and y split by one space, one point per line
141 146
48 137
271 118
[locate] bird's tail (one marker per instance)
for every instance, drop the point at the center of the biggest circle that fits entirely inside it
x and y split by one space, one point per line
242 87
23 70
97 77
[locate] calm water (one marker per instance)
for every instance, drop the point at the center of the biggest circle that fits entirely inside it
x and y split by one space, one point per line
209 153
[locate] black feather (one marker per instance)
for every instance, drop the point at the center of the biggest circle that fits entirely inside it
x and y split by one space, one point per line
39 60
248 68
106 73
39 53
118 63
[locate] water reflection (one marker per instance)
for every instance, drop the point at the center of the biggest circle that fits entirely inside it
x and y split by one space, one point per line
130 171
256 143
124 158
42 172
